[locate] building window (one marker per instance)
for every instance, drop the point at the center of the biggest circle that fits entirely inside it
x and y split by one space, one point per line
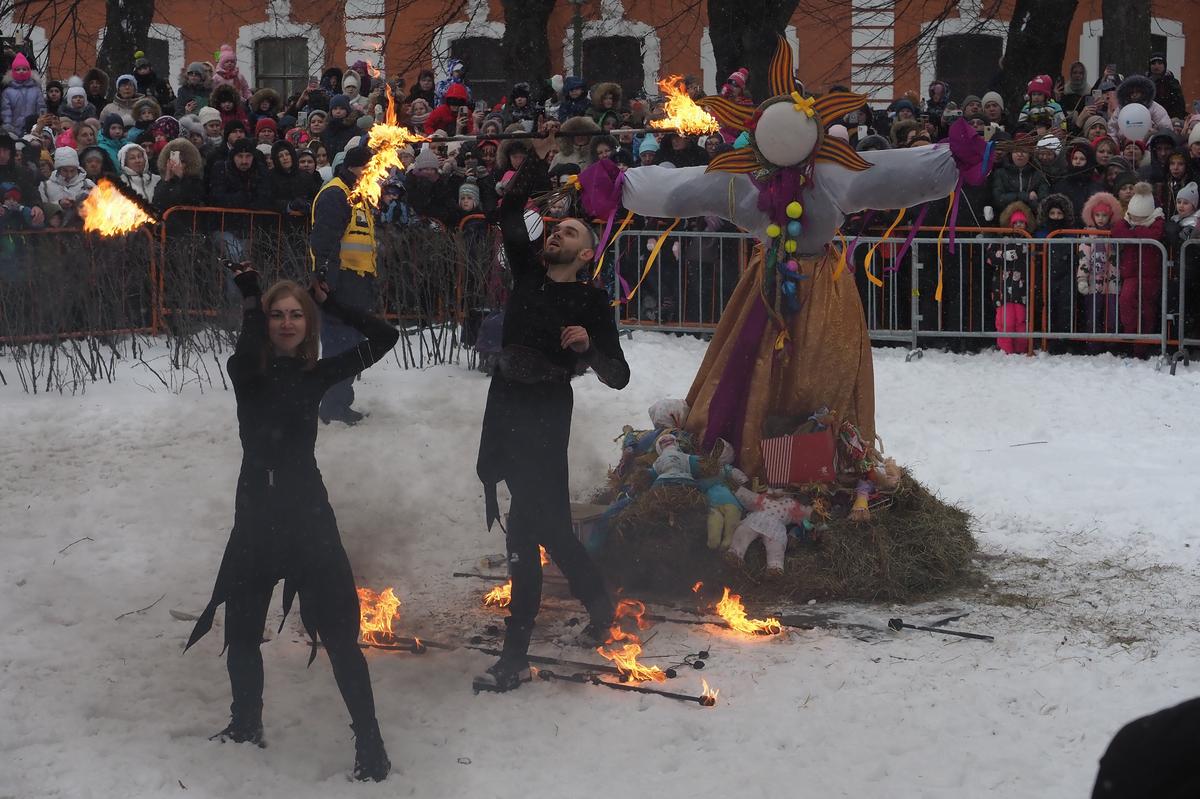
1158 44
484 57
614 59
968 62
281 64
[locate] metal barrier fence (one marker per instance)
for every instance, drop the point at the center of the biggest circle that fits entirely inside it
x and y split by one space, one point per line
1076 290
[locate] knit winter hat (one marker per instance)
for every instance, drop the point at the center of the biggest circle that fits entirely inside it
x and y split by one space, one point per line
425 160
993 97
74 81
1018 216
242 146
1189 192
191 124
472 191
127 78
66 156
233 125
1194 136
110 120
1141 205
265 123
208 114
1095 119
357 156
75 91
1049 143
1042 84
971 98
649 144
20 67
198 68
739 77
339 101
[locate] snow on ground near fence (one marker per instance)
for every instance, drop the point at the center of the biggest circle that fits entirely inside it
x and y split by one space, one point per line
1089 539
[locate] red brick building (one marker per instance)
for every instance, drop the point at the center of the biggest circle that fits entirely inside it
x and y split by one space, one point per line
858 44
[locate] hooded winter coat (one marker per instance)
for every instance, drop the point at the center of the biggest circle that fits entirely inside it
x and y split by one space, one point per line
1159 118
445 115
139 108
1097 272
123 109
144 182
573 108
19 101
597 111
1007 264
1078 184
691 155
266 94
227 74
14 173
291 189
58 188
417 92
233 188
99 100
187 190
568 152
1169 94
228 93
187 93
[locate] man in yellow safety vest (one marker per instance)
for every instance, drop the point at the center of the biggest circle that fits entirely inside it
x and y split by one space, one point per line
342 243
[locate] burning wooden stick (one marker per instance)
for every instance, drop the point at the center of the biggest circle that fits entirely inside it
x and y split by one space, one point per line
706 699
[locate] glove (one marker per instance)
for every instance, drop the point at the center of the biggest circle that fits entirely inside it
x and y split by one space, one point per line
247 283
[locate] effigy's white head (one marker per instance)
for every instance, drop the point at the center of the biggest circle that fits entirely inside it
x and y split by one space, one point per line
785 136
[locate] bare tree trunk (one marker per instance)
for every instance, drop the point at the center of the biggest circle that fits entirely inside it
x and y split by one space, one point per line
1126 41
1037 45
526 44
744 34
127 26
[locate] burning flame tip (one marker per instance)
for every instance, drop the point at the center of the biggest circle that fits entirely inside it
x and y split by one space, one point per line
731 609
500 596
376 614
110 213
683 114
708 696
625 659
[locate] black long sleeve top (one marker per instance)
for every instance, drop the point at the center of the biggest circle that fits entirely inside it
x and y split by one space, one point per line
539 308
278 398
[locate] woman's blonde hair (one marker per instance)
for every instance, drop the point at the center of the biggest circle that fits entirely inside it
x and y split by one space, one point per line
310 348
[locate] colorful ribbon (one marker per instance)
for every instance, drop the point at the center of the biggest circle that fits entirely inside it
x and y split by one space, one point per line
602 247
658 245
871 252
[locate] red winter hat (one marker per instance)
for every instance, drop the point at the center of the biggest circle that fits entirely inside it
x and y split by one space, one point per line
739 77
264 124
1018 216
1043 84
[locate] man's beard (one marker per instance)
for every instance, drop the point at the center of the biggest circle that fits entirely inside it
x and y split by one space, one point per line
559 258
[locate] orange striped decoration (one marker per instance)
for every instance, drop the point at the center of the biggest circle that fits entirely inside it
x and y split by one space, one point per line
779 77
738 161
833 107
727 112
835 151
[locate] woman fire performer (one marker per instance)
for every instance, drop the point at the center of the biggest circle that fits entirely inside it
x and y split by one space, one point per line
283 525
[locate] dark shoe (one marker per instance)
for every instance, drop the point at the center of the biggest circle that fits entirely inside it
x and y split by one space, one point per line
348 417
242 729
595 634
370 760
504 675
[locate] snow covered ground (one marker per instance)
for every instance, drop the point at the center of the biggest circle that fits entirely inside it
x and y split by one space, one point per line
1088 534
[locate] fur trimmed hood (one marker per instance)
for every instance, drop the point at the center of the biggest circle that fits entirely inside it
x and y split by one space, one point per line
1060 201
193 164
1140 82
97 74
143 103
222 93
266 93
1098 200
1007 214
601 89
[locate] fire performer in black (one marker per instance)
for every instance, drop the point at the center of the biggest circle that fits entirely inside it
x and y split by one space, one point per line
555 326
283 525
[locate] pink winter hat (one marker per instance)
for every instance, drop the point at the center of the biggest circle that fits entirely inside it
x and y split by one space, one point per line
1043 84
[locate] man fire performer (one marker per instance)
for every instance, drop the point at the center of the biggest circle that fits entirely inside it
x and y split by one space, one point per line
555 326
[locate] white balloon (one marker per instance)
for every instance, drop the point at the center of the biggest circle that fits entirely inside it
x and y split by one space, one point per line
1134 122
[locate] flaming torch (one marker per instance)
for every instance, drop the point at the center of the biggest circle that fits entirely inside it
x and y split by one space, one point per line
731 609
683 114
111 212
625 658
708 696
376 613
386 140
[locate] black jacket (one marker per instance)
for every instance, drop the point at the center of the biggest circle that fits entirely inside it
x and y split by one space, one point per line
283 525
528 415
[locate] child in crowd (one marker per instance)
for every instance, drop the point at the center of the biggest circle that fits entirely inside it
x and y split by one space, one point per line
1097 276
1008 264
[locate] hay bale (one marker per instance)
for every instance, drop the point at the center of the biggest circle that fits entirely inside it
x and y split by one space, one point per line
917 547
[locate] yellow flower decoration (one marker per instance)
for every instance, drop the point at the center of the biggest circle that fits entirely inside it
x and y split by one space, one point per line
803 104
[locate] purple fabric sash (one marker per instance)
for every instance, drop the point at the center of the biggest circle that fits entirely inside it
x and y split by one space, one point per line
727 410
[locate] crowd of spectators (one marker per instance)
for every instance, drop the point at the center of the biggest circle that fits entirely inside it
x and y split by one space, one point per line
214 140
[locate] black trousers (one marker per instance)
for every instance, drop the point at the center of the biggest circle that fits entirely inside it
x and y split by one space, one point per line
245 615
540 514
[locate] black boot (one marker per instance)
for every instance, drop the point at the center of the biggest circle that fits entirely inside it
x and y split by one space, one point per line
370 760
599 628
512 669
245 726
